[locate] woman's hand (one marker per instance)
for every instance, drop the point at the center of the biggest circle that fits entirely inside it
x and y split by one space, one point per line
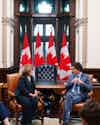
32 95
35 94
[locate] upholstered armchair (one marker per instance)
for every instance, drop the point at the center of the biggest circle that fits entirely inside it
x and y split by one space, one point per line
15 108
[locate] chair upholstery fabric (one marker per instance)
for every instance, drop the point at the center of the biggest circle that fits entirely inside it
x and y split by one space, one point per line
15 108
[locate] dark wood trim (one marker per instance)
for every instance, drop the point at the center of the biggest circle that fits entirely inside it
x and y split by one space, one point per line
15 68
5 71
16 33
72 39
95 72
23 14
16 42
72 30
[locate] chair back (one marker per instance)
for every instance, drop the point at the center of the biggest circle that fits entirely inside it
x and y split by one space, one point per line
46 73
12 80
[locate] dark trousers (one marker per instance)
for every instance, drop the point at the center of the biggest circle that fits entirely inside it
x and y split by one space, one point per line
29 109
3 111
70 99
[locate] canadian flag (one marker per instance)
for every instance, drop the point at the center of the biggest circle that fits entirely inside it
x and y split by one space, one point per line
51 53
25 57
65 61
38 55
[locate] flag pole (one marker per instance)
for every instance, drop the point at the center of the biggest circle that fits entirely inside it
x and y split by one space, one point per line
64 27
51 28
25 28
38 28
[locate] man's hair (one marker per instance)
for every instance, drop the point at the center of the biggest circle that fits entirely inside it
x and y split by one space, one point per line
90 112
77 66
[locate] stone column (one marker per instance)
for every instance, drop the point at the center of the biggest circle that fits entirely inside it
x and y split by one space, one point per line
81 31
1 57
7 33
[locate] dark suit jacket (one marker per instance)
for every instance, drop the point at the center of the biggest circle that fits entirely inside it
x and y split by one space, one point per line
85 87
25 87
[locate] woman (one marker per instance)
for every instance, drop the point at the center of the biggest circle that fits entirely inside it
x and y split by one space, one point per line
26 95
4 114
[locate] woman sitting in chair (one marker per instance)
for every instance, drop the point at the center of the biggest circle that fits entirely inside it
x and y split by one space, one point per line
4 114
26 95
77 86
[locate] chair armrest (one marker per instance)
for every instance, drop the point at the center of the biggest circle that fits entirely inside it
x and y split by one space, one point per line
10 93
91 94
40 103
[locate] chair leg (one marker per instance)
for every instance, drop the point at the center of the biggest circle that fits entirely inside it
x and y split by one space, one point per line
59 121
42 121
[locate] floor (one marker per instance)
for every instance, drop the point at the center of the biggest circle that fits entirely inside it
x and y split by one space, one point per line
49 121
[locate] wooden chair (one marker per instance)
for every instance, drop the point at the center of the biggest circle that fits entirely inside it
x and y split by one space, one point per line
77 107
15 108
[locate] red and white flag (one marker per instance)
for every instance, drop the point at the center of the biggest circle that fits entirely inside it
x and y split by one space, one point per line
25 57
38 55
51 53
65 61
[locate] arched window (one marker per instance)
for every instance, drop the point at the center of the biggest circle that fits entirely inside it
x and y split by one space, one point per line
44 16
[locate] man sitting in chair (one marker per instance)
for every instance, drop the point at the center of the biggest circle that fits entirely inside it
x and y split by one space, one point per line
77 86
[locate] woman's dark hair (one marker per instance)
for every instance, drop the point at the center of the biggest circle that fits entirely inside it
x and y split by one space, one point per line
90 112
77 66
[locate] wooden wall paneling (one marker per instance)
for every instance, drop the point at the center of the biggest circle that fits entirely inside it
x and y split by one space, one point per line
72 30
96 90
95 72
16 32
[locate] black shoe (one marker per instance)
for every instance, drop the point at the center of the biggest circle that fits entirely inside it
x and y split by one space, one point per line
65 124
25 123
36 117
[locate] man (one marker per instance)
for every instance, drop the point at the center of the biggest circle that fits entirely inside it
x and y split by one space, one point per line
77 86
90 113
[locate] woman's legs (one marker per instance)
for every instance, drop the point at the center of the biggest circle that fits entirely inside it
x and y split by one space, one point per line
29 106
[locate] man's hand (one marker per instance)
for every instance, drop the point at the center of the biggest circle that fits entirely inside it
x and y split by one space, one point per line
80 81
75 80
